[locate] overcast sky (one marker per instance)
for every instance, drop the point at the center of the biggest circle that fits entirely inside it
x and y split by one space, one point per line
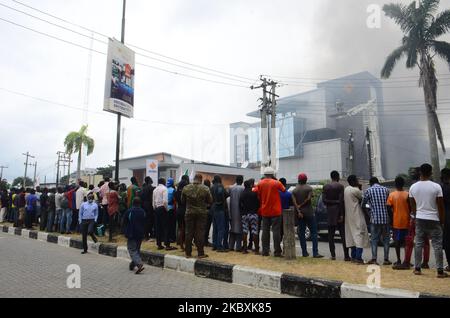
320 39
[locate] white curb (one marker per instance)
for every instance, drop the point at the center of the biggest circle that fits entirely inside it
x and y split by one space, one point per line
25 233
122 252
11 230
64 241
179 263
257 278
93 247
42 236
362 291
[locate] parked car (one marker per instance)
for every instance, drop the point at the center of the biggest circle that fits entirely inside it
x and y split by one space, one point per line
322 221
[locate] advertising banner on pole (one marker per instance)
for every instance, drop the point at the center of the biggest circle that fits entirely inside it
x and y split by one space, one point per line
151 170
119 84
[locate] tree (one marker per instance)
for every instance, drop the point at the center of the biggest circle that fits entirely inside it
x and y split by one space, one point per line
106 172
4 185
19 182
75 141
421 27
64 180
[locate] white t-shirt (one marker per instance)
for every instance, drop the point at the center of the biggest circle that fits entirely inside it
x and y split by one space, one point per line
58 198
425 194
79 197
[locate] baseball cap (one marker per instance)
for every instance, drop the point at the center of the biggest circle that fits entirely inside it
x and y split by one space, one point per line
302 177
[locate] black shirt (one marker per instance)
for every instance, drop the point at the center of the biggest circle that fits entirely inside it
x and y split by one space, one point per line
249 203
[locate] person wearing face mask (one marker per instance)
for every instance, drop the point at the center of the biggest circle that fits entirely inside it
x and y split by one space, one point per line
87 217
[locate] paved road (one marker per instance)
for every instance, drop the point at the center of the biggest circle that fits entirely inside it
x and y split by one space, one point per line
32 268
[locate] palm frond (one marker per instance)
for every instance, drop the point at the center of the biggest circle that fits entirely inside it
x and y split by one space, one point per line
440 25
442 49
392 60
83 130
401 14
70 142
429 7
90 144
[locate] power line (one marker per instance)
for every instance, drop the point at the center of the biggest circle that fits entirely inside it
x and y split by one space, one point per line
137 53
58 18
350 86
286 83
129 44
399 78
103 113
51 36
51 23
141 64
413 78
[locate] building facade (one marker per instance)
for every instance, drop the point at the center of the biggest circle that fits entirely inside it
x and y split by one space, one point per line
171 166
330 128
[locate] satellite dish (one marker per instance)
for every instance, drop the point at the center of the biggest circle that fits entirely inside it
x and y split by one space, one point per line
245 164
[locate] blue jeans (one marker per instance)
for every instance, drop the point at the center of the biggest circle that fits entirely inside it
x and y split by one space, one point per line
218 228
66 220
50 220
357 253
311 222
377 231
226 232
14 215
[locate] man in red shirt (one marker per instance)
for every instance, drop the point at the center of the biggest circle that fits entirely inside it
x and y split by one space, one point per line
270 210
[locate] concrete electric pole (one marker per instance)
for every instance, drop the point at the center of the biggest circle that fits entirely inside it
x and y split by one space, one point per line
268 136
1 172
26 167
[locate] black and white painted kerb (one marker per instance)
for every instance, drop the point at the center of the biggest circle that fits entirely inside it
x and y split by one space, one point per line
248 276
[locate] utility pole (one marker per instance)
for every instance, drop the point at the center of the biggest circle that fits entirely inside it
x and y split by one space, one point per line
119 116
369 151
268 136
68 168
264 126
1 172
273 127
122 147
57 174
26 167
351 151
34 178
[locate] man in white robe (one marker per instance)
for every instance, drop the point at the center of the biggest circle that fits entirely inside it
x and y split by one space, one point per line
356 233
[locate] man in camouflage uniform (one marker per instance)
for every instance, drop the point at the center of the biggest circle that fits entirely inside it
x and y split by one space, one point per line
197 198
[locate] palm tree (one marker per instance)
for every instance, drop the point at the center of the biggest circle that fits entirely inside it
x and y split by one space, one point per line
75 141
422 27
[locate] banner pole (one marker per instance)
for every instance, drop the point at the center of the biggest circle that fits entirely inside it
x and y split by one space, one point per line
119 116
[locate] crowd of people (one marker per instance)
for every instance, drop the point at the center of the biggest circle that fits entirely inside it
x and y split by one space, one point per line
183 214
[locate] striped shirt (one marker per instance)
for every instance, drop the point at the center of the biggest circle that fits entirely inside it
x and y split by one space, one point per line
376 196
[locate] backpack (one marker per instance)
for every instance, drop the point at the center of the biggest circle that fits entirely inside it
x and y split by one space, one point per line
64 202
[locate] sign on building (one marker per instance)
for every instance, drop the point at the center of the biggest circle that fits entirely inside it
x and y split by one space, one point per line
119 84
151 170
